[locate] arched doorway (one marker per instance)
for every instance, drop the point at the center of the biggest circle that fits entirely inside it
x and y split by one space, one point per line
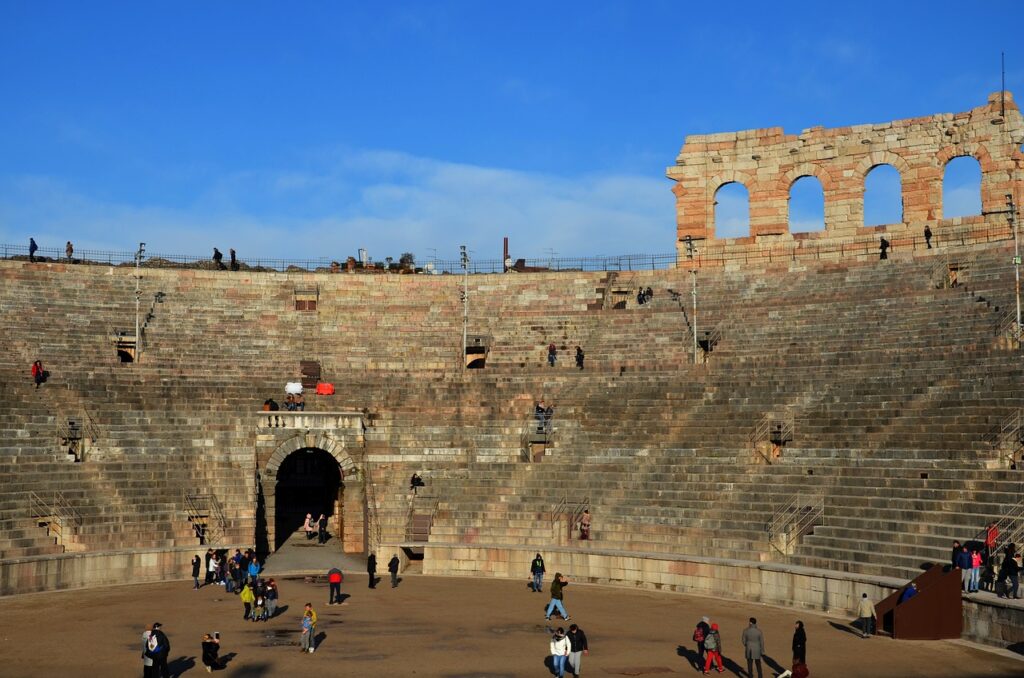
309 480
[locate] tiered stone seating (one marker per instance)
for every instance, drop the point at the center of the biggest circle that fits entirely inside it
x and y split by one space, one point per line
885 374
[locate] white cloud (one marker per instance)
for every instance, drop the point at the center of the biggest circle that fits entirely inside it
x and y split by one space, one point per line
385 201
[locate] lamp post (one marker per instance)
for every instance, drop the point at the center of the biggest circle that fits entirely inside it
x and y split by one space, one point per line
690 251
138 298
464 257
1016 254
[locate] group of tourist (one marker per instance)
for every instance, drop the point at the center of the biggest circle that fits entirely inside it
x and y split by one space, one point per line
976 560
553 356
315 528
218 259
230 572
644 296
566 648
708 637
543 414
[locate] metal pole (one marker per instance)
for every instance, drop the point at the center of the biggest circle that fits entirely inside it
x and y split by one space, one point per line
1016 254
694 272
465 301
138 299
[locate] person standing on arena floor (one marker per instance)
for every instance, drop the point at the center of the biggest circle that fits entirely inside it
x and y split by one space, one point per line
753 648
334 578
247 597
577 648
211 652
271 598
537 570
197 564
560 648
308 629
700 632
713 646
799 644
866 616
559 583
393 569
147 661
159 648
371 570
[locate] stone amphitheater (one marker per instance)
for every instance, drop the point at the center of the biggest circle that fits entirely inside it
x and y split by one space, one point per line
827 424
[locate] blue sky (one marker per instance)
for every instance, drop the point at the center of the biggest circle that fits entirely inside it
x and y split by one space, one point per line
316 128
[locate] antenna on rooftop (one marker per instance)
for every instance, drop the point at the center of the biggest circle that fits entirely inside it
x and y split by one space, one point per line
1002 85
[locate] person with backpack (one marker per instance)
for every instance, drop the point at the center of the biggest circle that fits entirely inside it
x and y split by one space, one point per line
713 646
158 647
537 572
700 632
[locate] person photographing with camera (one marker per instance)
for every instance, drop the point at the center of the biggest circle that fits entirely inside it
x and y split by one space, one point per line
211 651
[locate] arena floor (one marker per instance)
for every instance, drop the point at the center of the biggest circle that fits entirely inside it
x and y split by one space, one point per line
431 626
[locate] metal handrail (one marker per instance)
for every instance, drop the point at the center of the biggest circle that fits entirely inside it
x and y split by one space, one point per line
213 512
795 519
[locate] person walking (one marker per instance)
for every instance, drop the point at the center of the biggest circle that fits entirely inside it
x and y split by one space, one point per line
247 597
799 644
700 632
579 357
308 628
537 571
234 259
197 564
560 648
147 661
211 652
393 569
753 648
866 616
927 236
713 646
371 570
321 525
69 250
559 583
32 249
334 579
218 258
159 647
883 249
577 648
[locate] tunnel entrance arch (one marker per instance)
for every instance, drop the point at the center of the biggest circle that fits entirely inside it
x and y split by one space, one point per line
310 481
310 473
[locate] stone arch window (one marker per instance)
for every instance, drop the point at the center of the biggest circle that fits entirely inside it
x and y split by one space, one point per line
732 210
806 205
883 196
961 187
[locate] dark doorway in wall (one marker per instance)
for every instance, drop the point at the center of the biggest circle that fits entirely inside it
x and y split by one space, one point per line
308 481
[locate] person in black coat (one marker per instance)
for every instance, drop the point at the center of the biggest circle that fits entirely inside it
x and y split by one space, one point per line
211 650
800 644
577 648
393 569
322 529
160 649
371 569
197 563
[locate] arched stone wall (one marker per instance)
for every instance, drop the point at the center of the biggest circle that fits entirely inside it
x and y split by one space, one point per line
354 503
767 161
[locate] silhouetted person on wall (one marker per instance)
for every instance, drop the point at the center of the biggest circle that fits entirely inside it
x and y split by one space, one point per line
69 250
234 259
928 236
579 357
218 258
371 569
32 249
883 249
416 482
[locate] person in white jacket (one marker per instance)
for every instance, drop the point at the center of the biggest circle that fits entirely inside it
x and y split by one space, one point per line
560 648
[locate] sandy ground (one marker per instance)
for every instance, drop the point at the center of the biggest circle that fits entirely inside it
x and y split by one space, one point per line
430 626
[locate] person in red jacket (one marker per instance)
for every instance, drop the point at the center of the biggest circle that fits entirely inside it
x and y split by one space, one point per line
334 578
38 373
